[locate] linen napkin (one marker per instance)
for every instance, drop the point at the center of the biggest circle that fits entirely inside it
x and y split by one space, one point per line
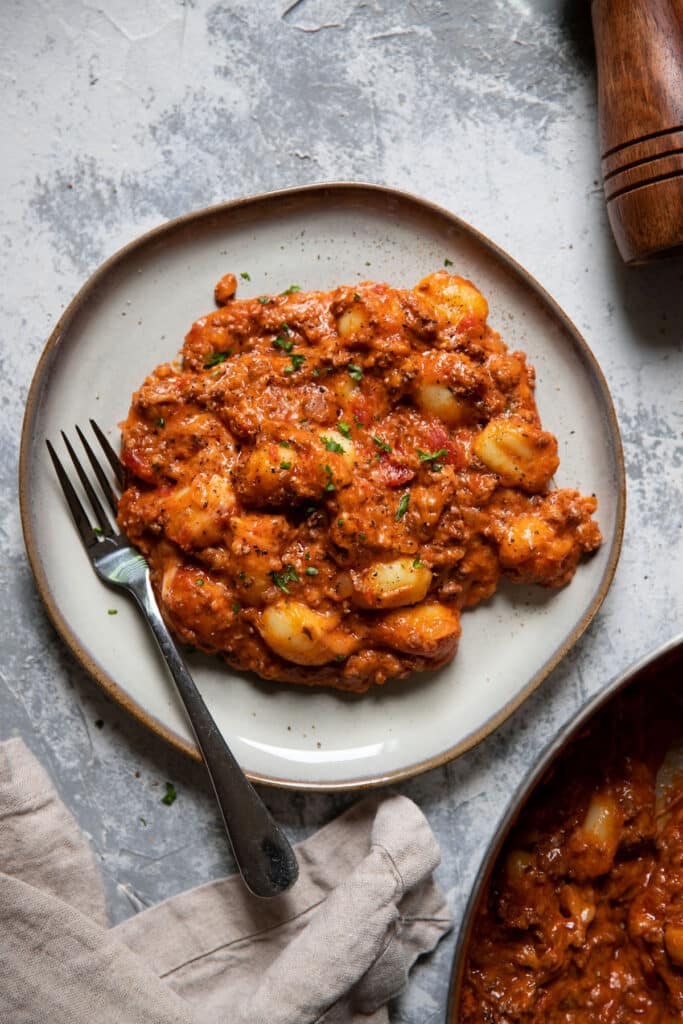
334 949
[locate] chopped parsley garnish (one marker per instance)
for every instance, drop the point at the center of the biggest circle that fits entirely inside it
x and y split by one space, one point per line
315 373
332 446
447 262
329 486
286 344
214 359
199 582
292 290
340 523
161 422
170 795
362 537
285 328
431 456
288 575
382 444
417 564
284 444
344 429
143 821
356 296
285 465
359 423
311 570
355 372
310 510
98 530
263 299
112 611
245 276
297 362
402 507
236 607
340 657
243 576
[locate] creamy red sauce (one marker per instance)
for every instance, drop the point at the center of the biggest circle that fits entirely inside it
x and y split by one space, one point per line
583 918
326 479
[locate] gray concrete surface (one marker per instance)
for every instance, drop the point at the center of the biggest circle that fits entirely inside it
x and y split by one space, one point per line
120 114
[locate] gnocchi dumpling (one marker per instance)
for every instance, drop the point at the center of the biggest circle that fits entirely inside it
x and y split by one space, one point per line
352 321
439 400
298 633
431 630
336 443
520 453
197 514
392 584
454 297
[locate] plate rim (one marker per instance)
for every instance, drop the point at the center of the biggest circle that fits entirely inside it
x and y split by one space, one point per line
121 696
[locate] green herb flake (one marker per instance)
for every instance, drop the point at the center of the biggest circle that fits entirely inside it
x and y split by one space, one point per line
143 821
292 290
329 486
297 362
332 446
284 444
447 262
340 657
431 456
285 328
362 537
356 296
340 524
359 423
344 429
236 606
264 300
99 724
112 611
402 507
286 344
288 575
310 510
417 564
311 570
355 372
214 359
245 276
98 530
161 422
285 465
315 373
199 582
382 445
170 795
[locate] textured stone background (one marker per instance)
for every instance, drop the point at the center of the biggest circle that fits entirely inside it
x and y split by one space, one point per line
116 116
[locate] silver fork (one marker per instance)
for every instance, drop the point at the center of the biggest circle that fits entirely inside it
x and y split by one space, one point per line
264 856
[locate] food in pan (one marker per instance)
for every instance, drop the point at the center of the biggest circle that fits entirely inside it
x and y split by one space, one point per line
326 479
582 920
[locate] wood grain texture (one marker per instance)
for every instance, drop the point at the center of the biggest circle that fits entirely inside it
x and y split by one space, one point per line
639 48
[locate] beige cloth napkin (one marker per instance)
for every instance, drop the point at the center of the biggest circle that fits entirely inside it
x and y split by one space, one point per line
334 949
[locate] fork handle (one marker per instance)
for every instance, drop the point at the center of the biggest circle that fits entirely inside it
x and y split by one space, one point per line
263 853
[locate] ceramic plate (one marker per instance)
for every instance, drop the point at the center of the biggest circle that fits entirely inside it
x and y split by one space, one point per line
133 313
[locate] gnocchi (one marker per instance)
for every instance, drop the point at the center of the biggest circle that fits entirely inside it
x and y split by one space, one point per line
344 472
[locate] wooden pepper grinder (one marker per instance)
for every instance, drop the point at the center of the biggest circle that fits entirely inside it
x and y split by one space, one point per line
639 46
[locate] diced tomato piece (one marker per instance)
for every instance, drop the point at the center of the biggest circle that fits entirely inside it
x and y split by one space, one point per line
138 466
393 475
456 454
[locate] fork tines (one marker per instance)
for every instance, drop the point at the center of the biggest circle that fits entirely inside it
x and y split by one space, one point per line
90 535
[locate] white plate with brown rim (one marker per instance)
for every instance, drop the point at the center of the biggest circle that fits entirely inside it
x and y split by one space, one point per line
133 313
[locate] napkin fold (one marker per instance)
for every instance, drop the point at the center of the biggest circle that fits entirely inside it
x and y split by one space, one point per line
333 950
